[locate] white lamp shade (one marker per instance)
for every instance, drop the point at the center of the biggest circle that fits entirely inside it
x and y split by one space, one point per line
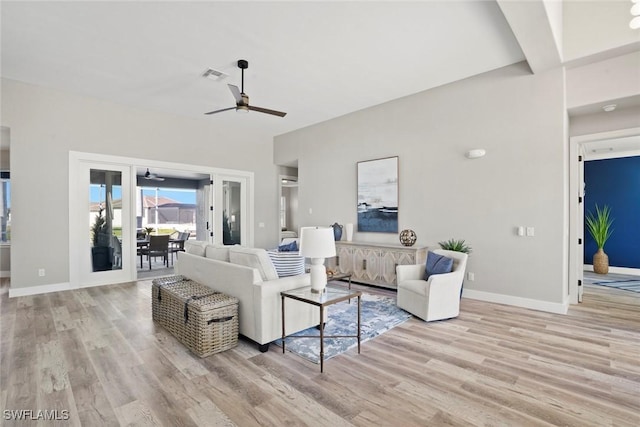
317 242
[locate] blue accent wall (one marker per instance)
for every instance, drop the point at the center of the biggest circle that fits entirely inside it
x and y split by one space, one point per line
616 183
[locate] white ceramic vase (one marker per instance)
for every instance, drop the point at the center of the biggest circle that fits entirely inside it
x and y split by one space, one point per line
349 230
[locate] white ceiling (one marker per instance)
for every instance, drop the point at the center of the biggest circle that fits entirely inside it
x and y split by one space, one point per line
314 60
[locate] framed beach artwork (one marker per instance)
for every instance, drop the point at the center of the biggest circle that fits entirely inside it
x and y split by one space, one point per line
378 195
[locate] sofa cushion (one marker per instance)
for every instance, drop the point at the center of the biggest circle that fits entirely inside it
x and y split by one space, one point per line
195 247
437 264
287 263
255 258
219 252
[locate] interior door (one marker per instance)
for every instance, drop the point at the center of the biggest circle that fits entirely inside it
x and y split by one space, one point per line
101 228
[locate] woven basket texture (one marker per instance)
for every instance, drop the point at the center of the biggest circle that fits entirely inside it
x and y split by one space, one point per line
204 320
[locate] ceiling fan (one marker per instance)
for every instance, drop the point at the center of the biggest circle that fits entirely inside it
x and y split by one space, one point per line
153 176
242 100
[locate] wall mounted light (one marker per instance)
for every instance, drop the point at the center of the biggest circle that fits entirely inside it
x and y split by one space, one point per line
475 153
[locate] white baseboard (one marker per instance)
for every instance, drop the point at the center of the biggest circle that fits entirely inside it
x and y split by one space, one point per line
617 270
551 307
40 289
4 274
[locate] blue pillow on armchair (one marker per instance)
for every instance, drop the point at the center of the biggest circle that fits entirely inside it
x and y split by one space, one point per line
437 264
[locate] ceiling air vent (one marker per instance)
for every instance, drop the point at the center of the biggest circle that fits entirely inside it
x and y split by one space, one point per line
212 74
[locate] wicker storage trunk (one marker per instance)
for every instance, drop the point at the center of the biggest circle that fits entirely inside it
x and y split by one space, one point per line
202 319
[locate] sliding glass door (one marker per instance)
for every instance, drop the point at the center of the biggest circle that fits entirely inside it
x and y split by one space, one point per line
101 225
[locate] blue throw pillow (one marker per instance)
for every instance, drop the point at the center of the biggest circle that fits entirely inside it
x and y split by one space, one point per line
437 264
289 247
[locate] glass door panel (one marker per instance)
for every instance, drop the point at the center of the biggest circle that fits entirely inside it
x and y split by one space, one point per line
105 190
100 224
231 210
231 213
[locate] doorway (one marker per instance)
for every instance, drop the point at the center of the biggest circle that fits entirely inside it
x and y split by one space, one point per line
578 147
288 206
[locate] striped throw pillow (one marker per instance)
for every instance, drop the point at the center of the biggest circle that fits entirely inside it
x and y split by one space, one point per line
287 263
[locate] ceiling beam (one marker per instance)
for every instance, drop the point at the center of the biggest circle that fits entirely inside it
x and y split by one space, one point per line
531 25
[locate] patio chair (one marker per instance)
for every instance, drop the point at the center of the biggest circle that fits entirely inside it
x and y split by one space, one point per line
158 246
117 252
177 244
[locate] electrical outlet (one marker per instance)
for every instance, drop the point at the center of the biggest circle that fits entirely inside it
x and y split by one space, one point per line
530 231
41 272
471 277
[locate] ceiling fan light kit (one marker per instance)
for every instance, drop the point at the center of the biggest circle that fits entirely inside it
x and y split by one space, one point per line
242 99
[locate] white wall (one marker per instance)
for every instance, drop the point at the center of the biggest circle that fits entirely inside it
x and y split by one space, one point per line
603 122
46 124
519 118
599 82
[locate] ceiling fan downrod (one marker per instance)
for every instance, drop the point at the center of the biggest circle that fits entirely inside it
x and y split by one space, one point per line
243 64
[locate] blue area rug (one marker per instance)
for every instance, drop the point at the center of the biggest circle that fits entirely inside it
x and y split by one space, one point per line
378 315
627 285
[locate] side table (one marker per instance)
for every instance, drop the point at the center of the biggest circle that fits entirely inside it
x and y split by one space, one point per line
329 297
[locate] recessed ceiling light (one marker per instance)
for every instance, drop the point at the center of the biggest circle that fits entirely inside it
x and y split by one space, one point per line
609 108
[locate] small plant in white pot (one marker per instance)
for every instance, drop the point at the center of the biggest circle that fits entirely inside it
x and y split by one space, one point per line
599 226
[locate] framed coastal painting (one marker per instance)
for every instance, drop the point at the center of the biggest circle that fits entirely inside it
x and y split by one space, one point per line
378 195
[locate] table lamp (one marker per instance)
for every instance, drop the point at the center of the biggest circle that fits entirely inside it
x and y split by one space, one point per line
317 243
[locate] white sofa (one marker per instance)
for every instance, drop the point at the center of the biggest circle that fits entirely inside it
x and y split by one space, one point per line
248 274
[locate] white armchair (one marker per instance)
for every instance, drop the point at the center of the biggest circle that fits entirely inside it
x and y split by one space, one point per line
434 299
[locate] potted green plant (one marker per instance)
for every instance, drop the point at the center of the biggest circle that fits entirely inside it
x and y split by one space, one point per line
101 252
458 245
599 226
149 230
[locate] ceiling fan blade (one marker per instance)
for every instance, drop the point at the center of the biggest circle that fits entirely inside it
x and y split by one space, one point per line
266 110
236 93
219 111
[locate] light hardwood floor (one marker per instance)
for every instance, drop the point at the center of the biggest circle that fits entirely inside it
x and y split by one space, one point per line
96 353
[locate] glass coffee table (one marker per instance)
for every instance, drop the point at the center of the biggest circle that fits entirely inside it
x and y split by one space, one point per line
329 297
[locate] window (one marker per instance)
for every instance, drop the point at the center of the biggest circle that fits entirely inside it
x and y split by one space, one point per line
5 207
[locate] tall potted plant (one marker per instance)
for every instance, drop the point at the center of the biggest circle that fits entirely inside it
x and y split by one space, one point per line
599 226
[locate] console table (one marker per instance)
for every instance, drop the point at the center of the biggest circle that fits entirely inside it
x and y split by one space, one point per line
375 263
